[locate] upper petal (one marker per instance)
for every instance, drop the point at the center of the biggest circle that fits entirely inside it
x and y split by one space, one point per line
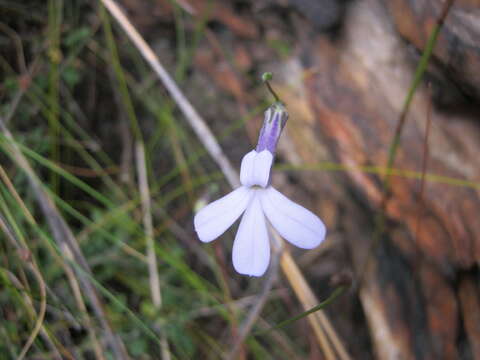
255 168
251 248
293 222
215 218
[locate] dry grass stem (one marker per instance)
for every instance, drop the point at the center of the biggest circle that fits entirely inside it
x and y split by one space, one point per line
155 290
77 293
308 300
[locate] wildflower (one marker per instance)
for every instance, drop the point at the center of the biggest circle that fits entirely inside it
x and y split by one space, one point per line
258 201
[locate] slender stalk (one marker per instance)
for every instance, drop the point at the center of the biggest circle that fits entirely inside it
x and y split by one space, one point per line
148 224
380 218
421 197
55 9
419 72
266 77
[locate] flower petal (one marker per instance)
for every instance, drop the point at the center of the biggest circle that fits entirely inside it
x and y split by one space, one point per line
215 218
293 222
255 168
251 248
246 168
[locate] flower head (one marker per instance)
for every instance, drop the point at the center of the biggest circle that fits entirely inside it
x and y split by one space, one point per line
258 201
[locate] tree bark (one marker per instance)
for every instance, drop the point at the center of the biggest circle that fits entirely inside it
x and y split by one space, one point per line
420 289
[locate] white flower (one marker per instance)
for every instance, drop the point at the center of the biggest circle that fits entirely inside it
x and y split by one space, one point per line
258 200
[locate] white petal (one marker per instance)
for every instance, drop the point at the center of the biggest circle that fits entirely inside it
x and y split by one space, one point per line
293 222
246 168
255 168
251 248
215 218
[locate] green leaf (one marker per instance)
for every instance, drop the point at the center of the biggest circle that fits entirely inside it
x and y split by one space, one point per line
76 37
71 76
338 291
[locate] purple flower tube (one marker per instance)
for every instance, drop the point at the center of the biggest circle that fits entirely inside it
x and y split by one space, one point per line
276 117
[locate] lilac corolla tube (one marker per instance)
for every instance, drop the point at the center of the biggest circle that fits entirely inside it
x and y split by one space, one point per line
259 202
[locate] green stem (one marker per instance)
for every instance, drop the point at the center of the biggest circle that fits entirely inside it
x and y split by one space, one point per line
55 8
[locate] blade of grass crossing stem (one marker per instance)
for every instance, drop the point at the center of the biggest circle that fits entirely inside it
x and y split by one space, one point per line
381 170
419 72
335 294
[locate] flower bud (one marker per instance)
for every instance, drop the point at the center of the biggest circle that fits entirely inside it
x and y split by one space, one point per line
275 119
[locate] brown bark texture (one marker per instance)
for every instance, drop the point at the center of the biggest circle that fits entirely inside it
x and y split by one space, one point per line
419 288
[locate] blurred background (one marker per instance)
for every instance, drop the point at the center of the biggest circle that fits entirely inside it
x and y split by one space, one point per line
101 171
